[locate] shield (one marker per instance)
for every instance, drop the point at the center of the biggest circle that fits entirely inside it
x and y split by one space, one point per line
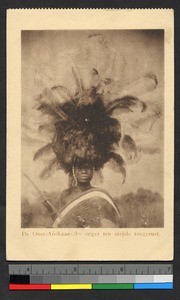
94 209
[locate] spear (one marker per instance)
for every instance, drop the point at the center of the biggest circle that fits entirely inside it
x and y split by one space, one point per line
46 202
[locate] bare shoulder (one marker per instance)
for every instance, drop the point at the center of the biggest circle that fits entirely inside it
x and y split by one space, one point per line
65 193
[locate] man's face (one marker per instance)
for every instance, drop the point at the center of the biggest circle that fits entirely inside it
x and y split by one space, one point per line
84 173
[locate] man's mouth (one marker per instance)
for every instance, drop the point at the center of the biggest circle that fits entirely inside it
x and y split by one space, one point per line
84 176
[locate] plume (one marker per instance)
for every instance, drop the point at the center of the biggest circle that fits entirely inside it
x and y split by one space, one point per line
128 102
47 149
129 147
116 162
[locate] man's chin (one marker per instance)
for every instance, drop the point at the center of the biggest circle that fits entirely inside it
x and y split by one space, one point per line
84 180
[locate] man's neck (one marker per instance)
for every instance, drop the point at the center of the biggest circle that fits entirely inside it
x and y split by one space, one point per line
84 186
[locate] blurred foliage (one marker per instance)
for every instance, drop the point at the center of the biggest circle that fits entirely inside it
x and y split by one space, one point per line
142 209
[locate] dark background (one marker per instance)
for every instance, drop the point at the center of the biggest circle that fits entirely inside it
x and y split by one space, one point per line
104 294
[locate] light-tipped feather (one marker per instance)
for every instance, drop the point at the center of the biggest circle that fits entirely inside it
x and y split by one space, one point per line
47 149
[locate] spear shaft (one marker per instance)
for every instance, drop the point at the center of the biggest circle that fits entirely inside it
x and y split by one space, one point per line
34 185
47 203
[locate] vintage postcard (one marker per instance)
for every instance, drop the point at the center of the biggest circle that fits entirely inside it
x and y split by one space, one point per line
90 126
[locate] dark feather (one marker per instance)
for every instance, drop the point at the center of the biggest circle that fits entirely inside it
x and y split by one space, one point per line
127 102
55 109
56 113
117 164
47 149
93 140
129 146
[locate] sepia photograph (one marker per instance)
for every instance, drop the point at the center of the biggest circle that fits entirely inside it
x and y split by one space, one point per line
92 128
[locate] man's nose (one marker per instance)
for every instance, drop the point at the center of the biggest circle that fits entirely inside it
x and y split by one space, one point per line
84 170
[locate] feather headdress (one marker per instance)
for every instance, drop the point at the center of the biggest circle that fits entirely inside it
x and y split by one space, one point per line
83 122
